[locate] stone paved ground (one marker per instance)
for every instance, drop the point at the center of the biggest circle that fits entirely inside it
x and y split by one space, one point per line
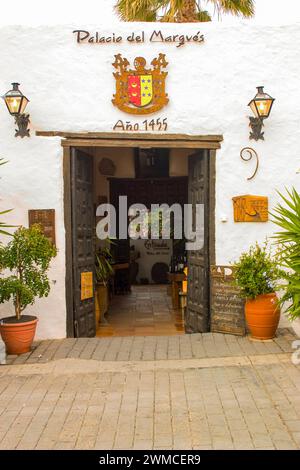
154 348
207 392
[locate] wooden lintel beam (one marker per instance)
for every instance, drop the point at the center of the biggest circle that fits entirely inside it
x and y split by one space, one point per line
130 136
141 143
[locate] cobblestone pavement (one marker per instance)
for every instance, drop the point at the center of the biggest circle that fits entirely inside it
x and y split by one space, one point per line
207 392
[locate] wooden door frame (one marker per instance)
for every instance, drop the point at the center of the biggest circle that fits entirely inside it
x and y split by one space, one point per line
131 140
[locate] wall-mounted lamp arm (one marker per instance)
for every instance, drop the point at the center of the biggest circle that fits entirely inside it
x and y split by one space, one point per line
256 124
22 121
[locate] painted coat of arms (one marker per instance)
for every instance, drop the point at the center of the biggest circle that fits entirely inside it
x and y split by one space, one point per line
142 90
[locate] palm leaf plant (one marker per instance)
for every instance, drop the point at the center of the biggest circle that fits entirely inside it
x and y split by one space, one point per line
103 265
286 215
3 225
104 271
181 10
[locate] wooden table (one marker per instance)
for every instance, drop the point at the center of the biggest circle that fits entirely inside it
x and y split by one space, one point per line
176 280
118 266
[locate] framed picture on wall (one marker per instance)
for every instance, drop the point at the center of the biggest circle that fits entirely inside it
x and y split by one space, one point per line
151 163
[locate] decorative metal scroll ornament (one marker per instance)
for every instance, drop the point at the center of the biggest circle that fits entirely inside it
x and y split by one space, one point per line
250 152
22 121
140 90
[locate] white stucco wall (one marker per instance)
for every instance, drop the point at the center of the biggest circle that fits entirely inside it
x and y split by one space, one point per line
70 87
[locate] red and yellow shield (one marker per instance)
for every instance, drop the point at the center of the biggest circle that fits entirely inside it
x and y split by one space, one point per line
140 90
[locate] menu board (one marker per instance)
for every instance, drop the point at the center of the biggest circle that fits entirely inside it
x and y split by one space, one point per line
227 306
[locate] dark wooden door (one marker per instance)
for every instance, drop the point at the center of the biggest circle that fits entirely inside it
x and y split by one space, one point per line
197 313
120 247
83 239
149 191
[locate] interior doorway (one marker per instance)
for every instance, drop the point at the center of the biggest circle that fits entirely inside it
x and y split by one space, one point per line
80 209
140 296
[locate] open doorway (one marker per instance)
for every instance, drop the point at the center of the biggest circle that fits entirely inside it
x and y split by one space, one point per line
143 289
138 291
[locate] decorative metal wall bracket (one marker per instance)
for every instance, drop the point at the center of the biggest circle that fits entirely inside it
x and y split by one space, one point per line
250 154
256 125
22 121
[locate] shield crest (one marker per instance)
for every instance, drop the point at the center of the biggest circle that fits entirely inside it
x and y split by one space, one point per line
140 91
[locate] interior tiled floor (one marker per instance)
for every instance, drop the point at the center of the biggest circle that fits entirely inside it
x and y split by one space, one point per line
147 311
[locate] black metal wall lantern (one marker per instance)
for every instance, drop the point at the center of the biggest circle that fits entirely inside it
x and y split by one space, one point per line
16 103
261 106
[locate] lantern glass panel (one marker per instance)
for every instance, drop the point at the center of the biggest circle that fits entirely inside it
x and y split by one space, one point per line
253 108
14 104
263 107
23 104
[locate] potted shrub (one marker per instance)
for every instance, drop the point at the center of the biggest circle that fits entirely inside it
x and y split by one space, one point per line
256 274
104 271
287 217
25 261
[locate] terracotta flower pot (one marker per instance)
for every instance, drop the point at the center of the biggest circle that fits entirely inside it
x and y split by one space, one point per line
18 335
101 303
262 316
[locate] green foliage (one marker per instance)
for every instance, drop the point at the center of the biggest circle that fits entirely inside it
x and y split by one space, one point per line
256 272
241 8
287 217
3 225
180 10
27 256
203 16
103 266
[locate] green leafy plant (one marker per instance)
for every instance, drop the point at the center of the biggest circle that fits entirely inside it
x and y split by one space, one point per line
256 272
103 266
182 11
287 217
27 257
